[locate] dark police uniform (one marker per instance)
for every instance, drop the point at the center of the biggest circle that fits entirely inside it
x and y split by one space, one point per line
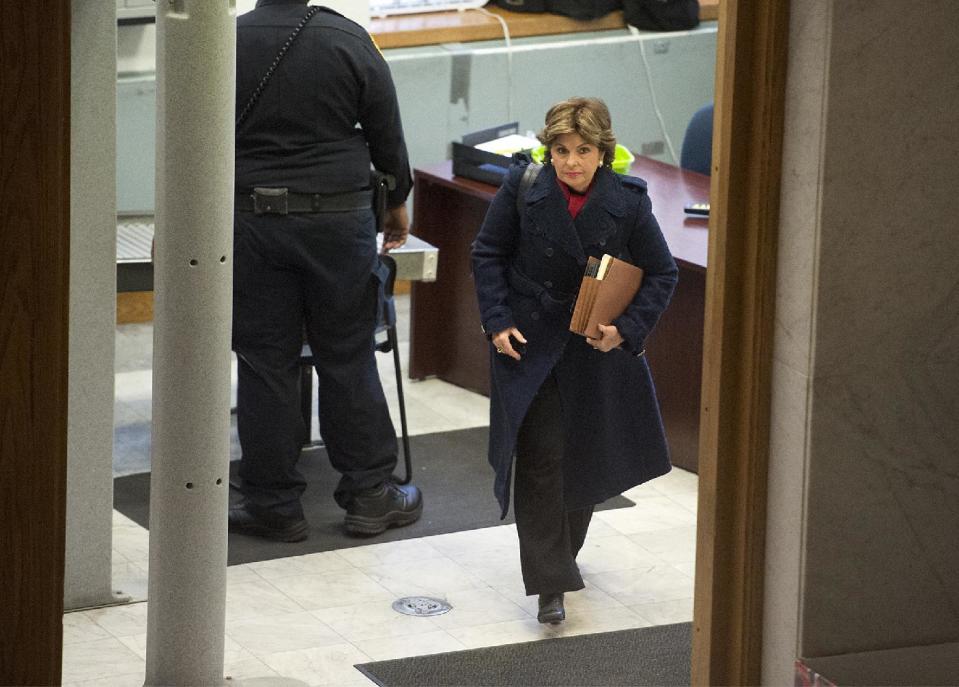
328 111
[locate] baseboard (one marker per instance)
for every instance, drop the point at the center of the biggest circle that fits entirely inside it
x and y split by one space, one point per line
134 307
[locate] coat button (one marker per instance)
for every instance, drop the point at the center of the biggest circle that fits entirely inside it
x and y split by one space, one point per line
602 242
534 315
549 252
548 284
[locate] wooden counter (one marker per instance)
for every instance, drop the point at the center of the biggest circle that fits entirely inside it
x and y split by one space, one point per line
431 28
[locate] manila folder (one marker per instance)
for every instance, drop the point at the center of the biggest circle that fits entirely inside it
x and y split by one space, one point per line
610 294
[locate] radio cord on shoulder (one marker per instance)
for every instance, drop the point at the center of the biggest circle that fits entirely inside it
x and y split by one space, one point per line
276 61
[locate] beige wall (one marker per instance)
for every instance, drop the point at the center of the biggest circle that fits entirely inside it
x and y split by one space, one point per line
864 473
92 305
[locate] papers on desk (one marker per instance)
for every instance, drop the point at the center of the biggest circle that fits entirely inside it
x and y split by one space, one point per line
485 155
507 145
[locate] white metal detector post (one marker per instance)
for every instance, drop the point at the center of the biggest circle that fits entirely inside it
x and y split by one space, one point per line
196 62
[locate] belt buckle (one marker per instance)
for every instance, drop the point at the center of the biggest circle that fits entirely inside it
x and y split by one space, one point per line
273 201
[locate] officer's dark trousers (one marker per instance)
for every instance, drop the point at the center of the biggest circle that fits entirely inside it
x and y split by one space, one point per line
312 270
550 536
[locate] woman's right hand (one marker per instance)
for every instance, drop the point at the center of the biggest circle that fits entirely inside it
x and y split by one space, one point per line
504 344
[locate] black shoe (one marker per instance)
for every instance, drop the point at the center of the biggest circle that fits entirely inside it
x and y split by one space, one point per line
551 609
371 511
247 519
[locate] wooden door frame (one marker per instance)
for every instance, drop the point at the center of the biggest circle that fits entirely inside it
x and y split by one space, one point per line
738 341
34 329
750 92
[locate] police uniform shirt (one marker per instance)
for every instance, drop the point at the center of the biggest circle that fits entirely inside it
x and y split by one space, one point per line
328 111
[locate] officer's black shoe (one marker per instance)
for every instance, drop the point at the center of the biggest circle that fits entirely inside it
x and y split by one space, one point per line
371 511
245 518
551 609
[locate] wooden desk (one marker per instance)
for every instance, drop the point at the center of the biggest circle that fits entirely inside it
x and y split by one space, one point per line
431 28
445 336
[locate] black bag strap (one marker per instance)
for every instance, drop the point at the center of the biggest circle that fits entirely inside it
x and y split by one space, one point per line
529 176
276 61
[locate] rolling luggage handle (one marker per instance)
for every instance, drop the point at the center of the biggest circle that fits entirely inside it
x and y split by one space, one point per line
381 184
392 344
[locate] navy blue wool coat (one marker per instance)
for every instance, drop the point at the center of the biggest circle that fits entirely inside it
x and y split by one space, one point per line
527 267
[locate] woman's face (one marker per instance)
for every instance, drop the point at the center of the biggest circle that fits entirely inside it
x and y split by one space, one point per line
575 160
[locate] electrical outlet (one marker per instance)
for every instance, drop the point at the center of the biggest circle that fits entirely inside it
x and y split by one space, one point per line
660 47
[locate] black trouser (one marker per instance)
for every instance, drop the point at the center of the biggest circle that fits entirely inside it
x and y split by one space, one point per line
313 271
550 536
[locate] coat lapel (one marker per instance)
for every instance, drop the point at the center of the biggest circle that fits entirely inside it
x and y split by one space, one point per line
547 210
605 205
596 221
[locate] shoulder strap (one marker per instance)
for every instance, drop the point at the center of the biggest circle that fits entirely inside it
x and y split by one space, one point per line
276 61
526 181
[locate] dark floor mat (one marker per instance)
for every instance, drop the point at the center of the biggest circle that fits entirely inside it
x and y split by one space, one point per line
645 656
449 467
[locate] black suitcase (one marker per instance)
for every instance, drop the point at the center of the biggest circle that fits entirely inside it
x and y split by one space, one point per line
523 5
577 9
662 15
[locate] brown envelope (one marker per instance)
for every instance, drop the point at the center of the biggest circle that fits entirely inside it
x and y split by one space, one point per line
602 300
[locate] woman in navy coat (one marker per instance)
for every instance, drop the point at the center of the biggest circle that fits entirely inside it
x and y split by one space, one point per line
579 414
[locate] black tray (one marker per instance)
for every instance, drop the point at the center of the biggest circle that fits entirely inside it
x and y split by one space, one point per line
480 165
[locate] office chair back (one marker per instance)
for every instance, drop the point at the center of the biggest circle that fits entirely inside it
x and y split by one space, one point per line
697 151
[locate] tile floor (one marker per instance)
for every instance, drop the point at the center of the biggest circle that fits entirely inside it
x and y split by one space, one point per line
313 617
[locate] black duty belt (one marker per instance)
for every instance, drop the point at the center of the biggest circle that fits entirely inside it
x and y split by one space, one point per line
280 201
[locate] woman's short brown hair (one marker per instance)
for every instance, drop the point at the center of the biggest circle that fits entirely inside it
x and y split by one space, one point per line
587 117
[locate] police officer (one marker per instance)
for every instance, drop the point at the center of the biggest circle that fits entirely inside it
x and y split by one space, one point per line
305 256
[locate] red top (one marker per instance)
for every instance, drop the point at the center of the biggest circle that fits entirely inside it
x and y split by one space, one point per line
574 201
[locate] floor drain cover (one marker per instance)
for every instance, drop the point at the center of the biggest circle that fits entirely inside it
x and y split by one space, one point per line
421 605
